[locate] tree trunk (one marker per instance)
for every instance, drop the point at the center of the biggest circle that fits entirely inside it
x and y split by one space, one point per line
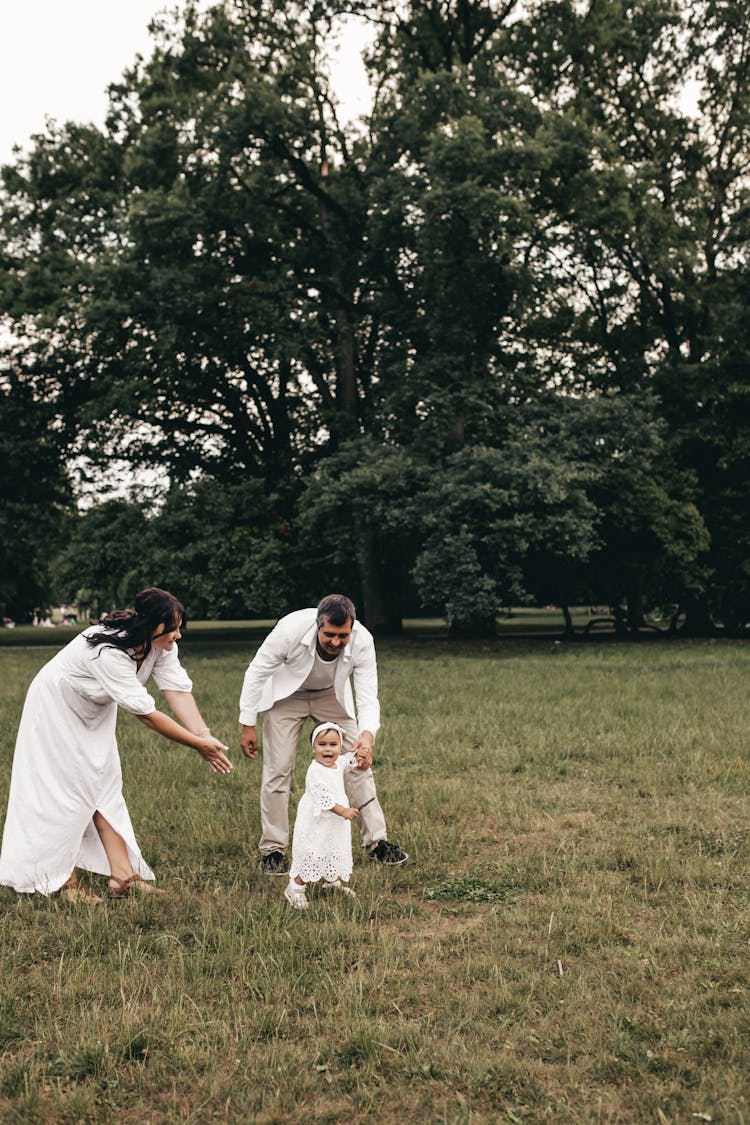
698 622
621 629
568 631
381 614
347 397
634 594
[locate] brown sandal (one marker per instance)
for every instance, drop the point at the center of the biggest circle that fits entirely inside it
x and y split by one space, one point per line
77 893
134 884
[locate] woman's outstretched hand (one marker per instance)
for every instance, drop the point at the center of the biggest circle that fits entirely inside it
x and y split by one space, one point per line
212 752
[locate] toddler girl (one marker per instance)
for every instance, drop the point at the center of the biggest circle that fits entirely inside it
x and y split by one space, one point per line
322 841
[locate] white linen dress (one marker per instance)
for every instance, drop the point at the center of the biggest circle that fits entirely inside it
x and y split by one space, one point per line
67 766
322 841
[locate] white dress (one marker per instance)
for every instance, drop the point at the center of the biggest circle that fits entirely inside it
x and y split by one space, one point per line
322 841
67 766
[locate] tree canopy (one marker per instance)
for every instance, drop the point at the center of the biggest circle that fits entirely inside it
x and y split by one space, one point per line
484 345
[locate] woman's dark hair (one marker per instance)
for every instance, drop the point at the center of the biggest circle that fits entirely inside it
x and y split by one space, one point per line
126 629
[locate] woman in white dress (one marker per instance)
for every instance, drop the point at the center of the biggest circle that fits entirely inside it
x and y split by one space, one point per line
322 841
66 808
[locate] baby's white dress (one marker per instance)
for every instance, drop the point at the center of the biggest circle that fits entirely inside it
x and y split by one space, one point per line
322 841
67 766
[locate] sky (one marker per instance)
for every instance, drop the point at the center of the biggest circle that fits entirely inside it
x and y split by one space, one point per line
57 58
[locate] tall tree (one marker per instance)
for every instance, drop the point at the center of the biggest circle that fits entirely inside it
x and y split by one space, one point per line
200 283
34 497
643 233
106 558
227 282
225 551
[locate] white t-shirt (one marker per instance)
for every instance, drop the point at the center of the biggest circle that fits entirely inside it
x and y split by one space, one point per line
321 675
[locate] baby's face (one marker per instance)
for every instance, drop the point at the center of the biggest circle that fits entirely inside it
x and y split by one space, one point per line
327 747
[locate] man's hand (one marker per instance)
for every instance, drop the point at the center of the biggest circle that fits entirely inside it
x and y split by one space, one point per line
362 750
249 742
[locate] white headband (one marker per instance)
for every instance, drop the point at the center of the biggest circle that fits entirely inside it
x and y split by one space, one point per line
327 726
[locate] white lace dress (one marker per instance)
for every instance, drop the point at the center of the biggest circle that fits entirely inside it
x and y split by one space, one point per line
322 841
67 765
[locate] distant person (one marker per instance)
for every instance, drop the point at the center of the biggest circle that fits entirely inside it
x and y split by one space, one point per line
322 841
66 808
304 670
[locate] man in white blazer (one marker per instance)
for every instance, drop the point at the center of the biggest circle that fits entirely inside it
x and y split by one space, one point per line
304 669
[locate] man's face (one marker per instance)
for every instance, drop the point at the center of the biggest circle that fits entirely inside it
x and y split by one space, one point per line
332 638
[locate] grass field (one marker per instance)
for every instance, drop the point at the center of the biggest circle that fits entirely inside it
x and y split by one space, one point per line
570 941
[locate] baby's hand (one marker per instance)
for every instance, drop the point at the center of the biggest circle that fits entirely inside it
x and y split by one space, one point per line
350 814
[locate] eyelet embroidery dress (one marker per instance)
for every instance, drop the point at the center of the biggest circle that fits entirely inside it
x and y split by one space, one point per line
322 841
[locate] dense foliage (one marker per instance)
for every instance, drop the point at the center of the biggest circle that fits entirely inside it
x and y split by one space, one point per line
486 345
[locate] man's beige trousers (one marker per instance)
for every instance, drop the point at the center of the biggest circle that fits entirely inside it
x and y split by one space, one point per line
282 725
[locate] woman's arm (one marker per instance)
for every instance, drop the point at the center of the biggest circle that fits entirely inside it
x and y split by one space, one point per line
184 708
209 748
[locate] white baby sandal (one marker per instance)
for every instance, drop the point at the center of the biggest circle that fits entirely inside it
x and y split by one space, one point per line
295 895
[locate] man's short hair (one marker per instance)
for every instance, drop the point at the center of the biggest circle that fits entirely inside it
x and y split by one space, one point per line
337 609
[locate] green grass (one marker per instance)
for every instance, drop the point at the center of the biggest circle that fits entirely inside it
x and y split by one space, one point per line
570 942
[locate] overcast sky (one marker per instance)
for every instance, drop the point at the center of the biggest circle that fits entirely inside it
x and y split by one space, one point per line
57 58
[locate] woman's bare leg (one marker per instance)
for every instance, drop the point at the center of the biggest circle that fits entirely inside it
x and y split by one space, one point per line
117 850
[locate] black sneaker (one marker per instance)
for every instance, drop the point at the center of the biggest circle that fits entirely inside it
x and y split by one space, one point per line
274 864
390 855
